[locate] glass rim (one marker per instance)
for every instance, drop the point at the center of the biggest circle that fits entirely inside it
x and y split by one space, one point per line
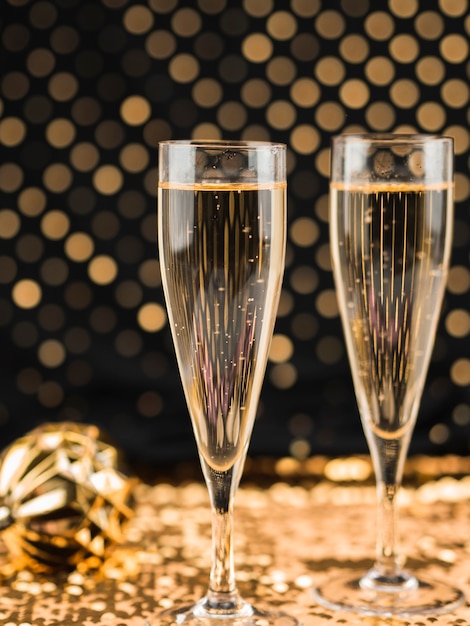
391 138
222 143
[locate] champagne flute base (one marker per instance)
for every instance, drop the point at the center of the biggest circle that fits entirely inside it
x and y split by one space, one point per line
245 615
348 592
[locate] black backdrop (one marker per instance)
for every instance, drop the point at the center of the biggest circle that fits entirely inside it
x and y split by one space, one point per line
87 91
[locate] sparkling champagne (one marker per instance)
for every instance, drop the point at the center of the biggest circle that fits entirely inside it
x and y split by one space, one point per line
390 255
222 255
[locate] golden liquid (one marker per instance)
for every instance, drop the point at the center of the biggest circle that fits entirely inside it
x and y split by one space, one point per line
390 247
222 259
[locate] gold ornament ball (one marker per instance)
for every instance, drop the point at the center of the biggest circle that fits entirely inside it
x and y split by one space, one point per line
64 500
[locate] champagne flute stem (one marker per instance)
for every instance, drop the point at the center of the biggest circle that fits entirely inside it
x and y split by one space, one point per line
387 560
222 597
388 573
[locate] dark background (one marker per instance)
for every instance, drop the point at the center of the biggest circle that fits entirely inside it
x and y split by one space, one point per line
87 91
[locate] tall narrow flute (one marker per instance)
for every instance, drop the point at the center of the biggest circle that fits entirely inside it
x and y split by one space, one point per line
221 238
391 217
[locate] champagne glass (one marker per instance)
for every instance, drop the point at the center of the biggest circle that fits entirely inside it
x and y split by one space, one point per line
391 218
221 238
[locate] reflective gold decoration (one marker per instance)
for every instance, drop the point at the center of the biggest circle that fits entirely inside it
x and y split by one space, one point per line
64 501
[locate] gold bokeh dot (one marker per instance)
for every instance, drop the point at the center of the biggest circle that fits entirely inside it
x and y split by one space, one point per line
257 47
186 22
40 62
380 70
151 317
305 92
354 93
354 48
379 25
26 293
11 177
304 279
304 326
458 281
54 272
454 48
51 353
455 93
134 158
43 14
281 71
32 201
404 93
281 114
102 269
50 394
429 25
207 92
63 86
28 380
258 8
439 434
305 139
286 303
462 187
330 24
128 294
60 133
461 138
128 343
135 110
282 348
460 372
457 323
149 273
281 25
15 85
326 303
404 48
79 247
29 248
329 350
64 39
184 68
380 116
330 71
149 404
256 92
430 70
55 224
86 111
108 179
160 44
305 8
12 131
323 257
105 225
232 115
57 177
404 8
330 116
10 224
138 19
453 8
103 319
322 162
283 375
84 156
206 130
431 116
109 134
304 232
